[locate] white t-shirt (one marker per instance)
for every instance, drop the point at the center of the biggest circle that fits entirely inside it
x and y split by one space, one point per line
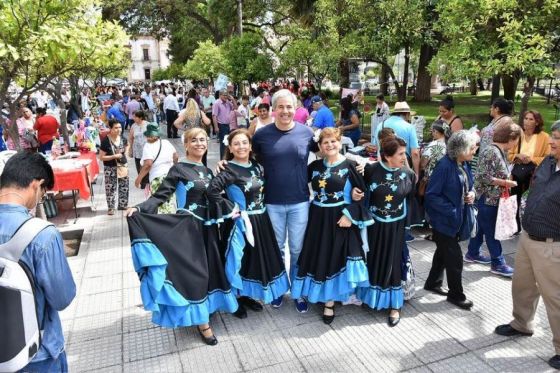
244 111
163 162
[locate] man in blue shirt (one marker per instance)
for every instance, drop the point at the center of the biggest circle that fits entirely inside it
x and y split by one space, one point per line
324 117
283 149
115 113
44 257
399 121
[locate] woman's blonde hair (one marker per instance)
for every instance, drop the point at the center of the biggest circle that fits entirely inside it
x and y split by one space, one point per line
191 108
330 132
191 134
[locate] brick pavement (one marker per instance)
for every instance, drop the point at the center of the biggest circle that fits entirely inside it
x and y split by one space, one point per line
107 330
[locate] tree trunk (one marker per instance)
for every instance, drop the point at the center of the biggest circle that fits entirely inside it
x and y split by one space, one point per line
402 91
473 87
344 73
510 85
13 128
480 84
527 90
424 79
495 88
384 80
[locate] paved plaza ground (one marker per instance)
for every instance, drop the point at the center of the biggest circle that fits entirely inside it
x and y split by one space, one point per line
107 330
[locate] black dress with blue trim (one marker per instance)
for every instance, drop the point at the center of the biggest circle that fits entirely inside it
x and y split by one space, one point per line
177 256
388 190
254 264
332 260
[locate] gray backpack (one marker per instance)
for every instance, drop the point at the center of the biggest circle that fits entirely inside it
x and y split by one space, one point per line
19 324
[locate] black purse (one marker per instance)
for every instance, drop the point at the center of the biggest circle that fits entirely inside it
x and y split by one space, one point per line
522 171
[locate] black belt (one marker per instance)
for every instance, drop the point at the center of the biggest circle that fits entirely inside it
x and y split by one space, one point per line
543 239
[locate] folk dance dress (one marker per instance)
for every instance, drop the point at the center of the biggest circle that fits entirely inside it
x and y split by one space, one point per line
177 256
387 192
254 264
332 261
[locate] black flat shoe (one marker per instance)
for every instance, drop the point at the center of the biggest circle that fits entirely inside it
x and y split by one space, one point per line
508 331
210 341
554 362
393 321
437 289
251 304
464 304
241 312
328 319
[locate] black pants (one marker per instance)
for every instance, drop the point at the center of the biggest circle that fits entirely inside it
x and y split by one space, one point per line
522 186
448 257
224 131
170 117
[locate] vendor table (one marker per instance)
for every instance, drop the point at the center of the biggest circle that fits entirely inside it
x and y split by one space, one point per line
75 175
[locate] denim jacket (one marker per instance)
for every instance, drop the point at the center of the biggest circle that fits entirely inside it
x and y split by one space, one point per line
54 285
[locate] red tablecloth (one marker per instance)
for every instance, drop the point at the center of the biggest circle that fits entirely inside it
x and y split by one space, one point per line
72 178
93 168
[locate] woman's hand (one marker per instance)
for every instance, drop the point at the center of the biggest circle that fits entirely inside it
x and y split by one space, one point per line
360 167
118 156
138 182
130 211
344 222
221 166
469 198
357 194
509 183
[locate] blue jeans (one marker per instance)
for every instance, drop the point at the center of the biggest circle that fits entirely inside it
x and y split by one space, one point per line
486 220
58 365
224 131
291 220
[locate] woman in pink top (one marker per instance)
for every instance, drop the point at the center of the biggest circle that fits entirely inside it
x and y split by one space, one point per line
301 114
24 124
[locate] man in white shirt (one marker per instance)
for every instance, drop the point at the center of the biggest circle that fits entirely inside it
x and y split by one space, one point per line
158 156
244 110
171 110
147 97
207 102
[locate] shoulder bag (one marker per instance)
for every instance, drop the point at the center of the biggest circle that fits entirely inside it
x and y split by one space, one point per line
523 171
122 168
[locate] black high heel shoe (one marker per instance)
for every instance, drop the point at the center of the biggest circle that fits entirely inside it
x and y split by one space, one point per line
328 319
210 341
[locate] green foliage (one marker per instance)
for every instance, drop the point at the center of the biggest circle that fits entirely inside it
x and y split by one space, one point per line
208 61
247 59
42 42
173 71
498 37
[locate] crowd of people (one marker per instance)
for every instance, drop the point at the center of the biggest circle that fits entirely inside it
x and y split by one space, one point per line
207 241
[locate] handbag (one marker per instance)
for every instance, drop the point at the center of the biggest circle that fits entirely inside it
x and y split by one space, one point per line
50 206
409 285
122 168
506 223
31 138
469 226
523 171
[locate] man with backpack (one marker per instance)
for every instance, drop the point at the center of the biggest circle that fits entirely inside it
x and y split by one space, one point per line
35 279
